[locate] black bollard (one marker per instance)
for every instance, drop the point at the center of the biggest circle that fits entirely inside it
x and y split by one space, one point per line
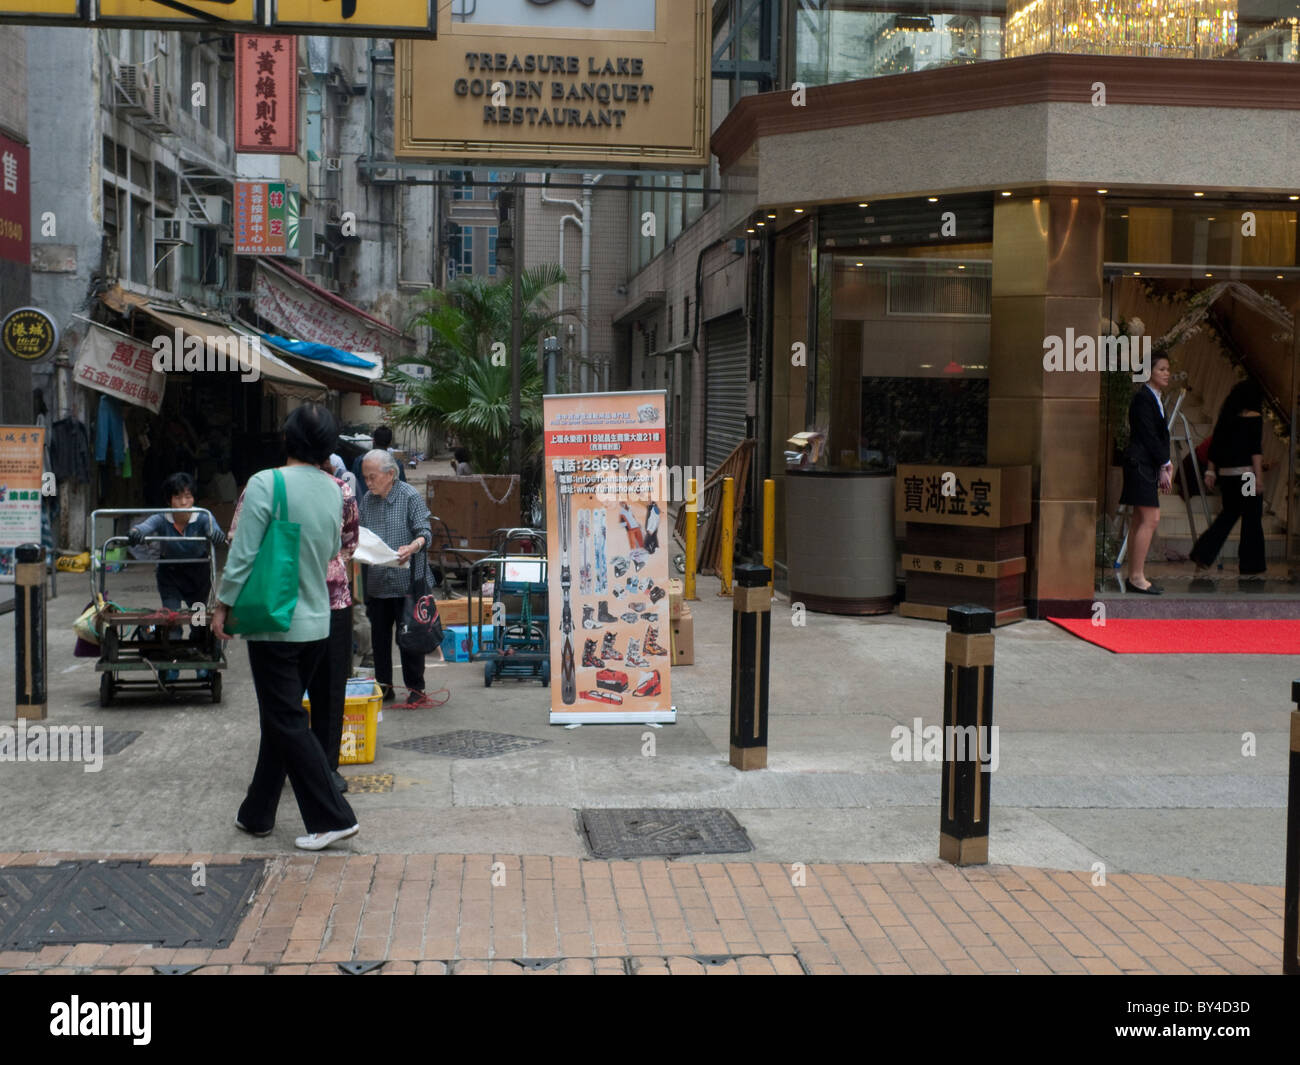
29 632
968 723
751 640
1291 896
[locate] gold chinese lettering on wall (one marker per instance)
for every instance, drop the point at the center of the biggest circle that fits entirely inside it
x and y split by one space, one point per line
981 496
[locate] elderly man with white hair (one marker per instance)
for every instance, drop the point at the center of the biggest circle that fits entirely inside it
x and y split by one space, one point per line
394 511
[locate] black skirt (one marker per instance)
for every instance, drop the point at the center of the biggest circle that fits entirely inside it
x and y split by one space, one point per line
1141 485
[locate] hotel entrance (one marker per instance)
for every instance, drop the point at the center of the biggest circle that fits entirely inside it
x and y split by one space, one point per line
1217 289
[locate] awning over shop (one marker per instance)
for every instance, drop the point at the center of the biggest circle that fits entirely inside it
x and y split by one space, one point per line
650 301
298 308
220 336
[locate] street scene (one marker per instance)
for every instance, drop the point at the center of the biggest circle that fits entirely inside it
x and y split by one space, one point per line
658 488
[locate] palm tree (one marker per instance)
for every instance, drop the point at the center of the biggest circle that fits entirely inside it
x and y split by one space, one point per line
465 393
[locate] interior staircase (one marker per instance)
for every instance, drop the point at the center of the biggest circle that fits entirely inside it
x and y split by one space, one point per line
1174 536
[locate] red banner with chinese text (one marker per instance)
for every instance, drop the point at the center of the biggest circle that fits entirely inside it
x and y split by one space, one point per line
15 203
266 94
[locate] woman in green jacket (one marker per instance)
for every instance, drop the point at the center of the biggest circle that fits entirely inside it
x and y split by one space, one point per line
284 662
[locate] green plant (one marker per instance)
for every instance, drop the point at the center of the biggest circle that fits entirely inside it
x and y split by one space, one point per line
468 390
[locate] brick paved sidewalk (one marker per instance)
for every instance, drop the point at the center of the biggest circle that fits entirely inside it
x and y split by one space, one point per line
505 914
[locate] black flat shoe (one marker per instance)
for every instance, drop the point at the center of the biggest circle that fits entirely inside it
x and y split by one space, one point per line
340 782
1153 589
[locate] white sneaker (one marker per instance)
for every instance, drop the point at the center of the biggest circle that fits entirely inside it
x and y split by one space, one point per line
318 841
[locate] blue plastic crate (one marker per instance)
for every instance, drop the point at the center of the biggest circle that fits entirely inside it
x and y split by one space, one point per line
457 642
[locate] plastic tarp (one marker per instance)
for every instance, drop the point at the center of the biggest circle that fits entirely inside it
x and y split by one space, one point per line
368 369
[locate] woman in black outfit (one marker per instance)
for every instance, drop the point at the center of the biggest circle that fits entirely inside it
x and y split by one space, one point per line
1235 451
1147 471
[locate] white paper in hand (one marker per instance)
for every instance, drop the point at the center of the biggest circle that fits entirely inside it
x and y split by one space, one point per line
372 551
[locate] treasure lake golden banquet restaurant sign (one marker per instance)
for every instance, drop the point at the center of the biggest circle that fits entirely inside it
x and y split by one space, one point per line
551 81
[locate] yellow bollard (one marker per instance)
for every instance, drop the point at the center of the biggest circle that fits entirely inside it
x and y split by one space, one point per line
728 532
692 501
769 528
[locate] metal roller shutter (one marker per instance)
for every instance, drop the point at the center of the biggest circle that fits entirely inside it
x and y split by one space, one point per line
727 387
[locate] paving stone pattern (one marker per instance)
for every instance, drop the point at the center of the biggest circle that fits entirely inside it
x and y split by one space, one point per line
464 914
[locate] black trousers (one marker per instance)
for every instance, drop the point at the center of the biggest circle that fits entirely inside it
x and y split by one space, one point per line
281 673
1250 509
384 614
329 685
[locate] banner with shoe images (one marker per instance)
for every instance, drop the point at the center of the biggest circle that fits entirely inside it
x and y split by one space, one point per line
608 544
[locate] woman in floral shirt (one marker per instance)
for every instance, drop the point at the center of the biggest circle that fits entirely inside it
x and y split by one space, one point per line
328 688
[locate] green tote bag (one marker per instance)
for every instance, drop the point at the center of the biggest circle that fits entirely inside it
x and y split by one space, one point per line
267 600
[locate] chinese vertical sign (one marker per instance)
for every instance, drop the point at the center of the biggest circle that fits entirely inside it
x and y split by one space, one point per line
114 363
261 227
608 565
15 203
22 450
266 94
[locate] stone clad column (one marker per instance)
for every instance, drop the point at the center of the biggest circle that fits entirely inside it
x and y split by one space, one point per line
1047 277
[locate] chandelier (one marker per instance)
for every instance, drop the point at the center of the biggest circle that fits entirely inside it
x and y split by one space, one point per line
1182 29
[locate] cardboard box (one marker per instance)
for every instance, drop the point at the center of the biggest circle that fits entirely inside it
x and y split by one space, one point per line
684 640
676 602
456 611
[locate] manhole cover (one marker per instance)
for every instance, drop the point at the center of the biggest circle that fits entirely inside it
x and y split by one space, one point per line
468 743
370 784
662 833
124 902
118 740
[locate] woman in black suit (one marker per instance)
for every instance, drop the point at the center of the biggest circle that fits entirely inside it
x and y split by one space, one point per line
1147 471
1237 450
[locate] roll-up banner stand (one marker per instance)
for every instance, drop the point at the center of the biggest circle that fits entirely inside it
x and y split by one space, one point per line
608 541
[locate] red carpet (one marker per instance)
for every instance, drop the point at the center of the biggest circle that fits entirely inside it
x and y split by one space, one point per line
1166 636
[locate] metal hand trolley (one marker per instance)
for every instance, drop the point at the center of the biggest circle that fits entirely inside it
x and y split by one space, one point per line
517 642
140 641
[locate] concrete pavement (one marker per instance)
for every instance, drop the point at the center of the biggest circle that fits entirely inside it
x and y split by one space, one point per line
1132 761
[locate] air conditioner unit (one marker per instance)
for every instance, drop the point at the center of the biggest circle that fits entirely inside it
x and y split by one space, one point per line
171 231
134 88
206 210
383 175
332 163
162 108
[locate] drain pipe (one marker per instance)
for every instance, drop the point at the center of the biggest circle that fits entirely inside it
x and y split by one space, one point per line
588 183
575 218
582 219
